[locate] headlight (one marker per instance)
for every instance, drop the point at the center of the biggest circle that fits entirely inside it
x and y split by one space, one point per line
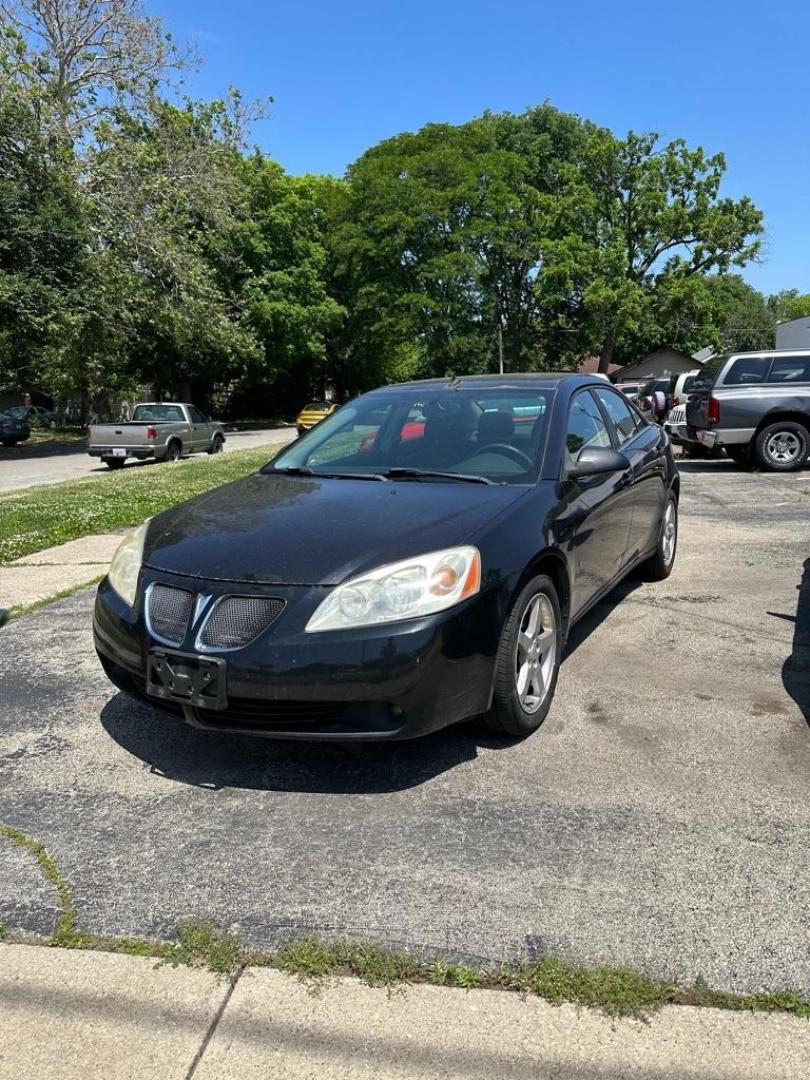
401 590
126 564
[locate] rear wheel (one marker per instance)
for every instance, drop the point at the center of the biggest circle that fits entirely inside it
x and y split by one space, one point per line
659 565
216 445
782 447
528 661
172 452
114 462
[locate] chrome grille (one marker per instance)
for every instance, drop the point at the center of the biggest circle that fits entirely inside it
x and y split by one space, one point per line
169 611
238 620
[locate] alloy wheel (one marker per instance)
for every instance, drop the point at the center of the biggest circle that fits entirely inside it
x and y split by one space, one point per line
535 653
783 447
670 533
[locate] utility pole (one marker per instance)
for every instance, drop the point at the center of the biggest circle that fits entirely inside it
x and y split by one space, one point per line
500 347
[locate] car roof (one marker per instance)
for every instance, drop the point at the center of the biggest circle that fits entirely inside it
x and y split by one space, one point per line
511 380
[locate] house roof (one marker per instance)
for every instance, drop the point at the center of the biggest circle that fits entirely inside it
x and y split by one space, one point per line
590 366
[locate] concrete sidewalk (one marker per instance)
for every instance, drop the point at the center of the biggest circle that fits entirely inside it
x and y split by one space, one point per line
47 573
67 1015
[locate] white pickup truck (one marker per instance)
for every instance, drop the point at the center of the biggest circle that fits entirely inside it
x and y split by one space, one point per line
163 430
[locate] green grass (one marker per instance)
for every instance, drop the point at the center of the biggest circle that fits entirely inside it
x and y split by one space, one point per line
41 517
619 991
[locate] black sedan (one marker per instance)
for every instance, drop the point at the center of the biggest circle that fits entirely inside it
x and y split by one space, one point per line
416 559
13 429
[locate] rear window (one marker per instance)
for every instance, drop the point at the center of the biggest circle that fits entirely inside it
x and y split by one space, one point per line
319 406
689 383
158 412
790 369
704 379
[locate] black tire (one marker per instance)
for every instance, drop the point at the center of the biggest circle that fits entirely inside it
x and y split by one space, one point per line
216 445
740 454
782 447
9 442
659 566
508 715
173 451
300 429
114 462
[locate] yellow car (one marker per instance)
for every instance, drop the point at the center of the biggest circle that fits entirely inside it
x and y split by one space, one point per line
312 414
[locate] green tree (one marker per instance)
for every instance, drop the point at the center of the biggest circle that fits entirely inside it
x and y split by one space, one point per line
789 304
650 214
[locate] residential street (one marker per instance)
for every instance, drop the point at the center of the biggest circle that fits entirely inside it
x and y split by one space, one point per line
22 467
660 818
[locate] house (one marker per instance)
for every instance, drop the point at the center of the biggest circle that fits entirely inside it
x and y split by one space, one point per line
664 361
793 334
590 366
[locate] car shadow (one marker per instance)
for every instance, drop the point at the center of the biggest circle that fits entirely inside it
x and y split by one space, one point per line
601 611
796 669
34 451
211 760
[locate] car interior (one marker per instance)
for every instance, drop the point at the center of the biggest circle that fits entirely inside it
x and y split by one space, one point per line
500 437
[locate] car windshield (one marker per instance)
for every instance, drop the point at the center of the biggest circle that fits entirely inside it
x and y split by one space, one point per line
17 410
157 412
494 433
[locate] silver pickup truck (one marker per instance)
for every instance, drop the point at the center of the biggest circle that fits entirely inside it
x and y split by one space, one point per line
755 406
160 430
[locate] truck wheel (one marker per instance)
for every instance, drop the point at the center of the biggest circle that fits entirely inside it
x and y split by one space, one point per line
172 452
114 462
216 445
782 447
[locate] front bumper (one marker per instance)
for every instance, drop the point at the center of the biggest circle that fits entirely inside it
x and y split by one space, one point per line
378 683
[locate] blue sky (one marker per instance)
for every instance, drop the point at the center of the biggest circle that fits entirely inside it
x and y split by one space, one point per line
731 76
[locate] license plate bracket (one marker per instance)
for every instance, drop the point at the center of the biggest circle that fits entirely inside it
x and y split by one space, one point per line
188 679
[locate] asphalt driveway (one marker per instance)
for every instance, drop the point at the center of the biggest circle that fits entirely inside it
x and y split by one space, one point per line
26 465
660 818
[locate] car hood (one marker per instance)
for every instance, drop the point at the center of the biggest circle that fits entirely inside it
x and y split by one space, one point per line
307 531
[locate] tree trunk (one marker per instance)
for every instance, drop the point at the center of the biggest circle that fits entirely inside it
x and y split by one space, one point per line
606 352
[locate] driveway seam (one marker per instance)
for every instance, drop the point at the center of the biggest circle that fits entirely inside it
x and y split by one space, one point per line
212 1027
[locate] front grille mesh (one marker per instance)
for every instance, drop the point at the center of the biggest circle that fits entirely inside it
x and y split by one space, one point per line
238 620
169 612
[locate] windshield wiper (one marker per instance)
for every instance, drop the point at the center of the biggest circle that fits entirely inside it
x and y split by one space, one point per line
304 470
398 473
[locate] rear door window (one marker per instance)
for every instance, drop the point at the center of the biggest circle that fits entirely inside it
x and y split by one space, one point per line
790 369
747 371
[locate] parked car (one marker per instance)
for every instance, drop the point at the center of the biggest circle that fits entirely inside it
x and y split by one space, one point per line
312 414
653 399
13 429
380 591
35 415
755 406
161 430
678 393
630 389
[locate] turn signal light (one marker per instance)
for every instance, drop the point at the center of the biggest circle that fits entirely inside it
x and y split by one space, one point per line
713 412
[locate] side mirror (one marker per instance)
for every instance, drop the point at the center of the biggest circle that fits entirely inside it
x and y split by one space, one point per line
594 460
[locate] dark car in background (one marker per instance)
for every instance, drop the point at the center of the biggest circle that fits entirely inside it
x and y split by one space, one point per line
416 559
653 399
35 415
13 429
756 406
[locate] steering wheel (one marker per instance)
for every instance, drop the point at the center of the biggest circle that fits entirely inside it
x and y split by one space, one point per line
510 452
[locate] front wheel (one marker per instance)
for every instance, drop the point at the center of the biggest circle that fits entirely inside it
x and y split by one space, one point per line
782 447
528 661
659 565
